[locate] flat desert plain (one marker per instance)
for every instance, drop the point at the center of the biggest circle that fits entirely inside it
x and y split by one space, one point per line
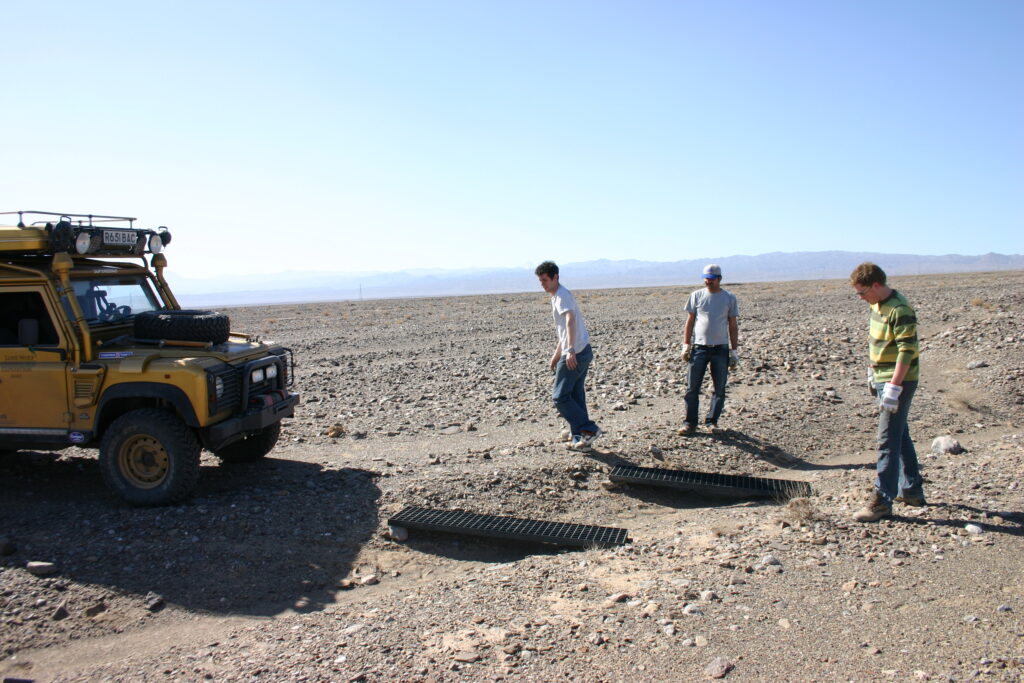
283 570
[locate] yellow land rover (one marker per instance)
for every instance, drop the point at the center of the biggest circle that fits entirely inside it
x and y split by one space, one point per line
96 352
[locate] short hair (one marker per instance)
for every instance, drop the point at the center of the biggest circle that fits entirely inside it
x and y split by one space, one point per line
548 268
867 274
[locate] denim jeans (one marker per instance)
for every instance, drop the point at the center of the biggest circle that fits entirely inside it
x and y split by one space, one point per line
569 395
897 459
700 358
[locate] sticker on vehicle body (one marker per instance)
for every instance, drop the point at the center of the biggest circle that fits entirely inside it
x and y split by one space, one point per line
116 354
76 437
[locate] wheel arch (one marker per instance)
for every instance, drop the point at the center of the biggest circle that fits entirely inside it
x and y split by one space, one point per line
122 398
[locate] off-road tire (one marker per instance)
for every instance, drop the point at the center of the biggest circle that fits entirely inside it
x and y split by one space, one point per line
150 457
252 447
201 326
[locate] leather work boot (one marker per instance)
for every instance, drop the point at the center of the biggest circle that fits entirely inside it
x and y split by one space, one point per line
912 501
875 510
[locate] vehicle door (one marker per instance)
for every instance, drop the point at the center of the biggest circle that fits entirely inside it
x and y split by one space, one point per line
33 367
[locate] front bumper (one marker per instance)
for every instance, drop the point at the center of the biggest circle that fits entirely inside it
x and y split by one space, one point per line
256 418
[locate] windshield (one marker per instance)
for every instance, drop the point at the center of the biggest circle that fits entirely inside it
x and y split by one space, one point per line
112 299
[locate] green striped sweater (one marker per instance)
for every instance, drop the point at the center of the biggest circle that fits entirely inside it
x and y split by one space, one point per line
893 337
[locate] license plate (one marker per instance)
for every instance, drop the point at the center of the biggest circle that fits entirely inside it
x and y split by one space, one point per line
121 238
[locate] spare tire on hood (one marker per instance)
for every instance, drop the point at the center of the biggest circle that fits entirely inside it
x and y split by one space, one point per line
201 326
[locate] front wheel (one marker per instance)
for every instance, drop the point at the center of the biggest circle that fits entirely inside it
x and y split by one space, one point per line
150 457
252 447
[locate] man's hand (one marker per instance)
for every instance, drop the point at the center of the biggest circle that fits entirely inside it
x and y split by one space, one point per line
734 359
871 382
686 353
570 360
891 397
554 360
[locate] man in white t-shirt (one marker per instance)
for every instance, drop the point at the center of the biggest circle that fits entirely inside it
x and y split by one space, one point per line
570 360
710 337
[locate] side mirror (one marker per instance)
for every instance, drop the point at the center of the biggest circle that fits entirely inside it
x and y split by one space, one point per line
28 332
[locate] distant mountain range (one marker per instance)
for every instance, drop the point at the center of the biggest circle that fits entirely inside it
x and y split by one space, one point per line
297 287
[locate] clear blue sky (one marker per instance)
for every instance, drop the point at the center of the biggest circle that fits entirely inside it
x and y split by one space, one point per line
367 136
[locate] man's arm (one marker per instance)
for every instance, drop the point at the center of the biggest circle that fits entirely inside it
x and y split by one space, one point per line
734 333
570 332
899 373
556 356
904 326
688 328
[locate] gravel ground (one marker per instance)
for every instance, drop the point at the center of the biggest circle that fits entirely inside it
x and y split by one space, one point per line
283 569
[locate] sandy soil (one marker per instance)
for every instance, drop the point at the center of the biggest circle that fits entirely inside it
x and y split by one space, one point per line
281 570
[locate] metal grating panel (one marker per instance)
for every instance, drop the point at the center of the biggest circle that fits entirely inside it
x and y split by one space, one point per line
731 485
493 526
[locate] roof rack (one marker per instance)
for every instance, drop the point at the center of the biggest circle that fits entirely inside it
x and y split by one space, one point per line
80 235
90 217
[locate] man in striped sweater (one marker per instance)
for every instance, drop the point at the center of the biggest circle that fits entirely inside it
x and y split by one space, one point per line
894 353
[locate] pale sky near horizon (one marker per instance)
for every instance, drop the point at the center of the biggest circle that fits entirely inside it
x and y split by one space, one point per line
359 136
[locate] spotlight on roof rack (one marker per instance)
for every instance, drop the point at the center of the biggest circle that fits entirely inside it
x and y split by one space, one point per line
158 240
83 242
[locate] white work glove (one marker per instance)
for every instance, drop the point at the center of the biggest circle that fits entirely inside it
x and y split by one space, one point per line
871 382
734 359
891 397
686 353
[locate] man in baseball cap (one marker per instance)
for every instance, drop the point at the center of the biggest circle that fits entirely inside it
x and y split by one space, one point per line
710 337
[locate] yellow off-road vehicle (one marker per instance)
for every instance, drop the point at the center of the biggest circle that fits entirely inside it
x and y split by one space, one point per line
96 352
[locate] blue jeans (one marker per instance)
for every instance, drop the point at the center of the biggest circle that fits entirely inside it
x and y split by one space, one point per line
700 358
569 395
897 459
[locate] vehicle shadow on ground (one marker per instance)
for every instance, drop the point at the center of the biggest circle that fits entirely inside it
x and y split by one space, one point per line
770 453
255 539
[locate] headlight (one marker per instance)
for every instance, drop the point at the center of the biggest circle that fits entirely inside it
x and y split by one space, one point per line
257 376
156 244
218 388
271 372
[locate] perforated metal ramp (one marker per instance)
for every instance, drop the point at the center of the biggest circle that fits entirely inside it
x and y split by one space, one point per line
493 526
710 484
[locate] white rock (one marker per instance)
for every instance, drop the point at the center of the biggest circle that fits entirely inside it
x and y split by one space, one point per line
41 568
973 529
718 668
946 444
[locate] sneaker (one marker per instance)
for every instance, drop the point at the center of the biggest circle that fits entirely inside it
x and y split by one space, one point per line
911 500
590 437
875 510
578 444
687 429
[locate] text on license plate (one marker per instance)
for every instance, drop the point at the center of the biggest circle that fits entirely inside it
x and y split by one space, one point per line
121 237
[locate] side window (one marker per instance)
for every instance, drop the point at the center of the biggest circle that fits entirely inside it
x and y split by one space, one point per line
18 310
